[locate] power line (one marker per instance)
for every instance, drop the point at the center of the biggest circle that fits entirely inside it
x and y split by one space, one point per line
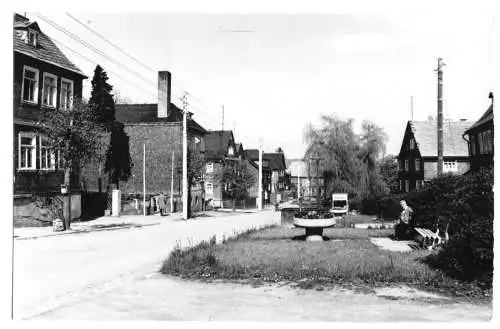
110 43
99 52
115 74
91 47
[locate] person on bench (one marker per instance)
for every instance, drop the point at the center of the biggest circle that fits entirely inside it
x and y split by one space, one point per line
403 228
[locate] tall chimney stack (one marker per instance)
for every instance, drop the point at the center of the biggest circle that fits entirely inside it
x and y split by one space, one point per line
164 93
440 116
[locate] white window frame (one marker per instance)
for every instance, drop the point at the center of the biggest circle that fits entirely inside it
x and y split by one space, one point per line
33 150
35 37
209 167
407 164
417 164
37 82
65 80
209 188
50 153
54 93
450 166
412 143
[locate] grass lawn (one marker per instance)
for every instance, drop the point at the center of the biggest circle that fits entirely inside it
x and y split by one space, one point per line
347 258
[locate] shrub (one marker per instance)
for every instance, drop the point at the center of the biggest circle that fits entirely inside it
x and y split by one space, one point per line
467 203
389 207
369 206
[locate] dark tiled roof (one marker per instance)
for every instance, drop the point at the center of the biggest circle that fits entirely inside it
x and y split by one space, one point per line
425 133
276 160
148 113
487 116
216 144
45 50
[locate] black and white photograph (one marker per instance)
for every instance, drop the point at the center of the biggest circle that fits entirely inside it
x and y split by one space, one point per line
331 163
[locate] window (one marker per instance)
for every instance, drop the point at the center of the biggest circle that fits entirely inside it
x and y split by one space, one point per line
407 185
488 138
400 165
473 144
49 90
407 164
417 164
210 167
419 184
27 151
32 37
30 85
209 188
60 160
66 101
450 166
412 143
401 185
47 157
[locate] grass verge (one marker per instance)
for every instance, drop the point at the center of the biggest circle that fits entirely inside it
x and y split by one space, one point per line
347 258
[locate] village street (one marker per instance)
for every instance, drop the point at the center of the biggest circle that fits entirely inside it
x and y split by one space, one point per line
57 270
113 275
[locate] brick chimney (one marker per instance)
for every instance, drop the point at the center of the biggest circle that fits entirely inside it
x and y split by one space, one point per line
164 93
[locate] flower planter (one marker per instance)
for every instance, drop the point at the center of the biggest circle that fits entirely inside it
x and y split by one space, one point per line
314 226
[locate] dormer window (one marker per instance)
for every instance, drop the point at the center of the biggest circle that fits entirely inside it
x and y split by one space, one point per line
32 38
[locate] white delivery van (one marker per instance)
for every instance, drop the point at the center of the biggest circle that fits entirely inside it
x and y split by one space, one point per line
340 204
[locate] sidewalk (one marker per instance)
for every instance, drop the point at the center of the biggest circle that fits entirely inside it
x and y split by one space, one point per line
108 223
104 223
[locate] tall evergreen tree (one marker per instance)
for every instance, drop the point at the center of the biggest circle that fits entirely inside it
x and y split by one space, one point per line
101 99
118 163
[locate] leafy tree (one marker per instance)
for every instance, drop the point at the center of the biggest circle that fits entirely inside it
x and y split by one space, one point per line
279 150
348 161
76 139
388 171
195 165
235 180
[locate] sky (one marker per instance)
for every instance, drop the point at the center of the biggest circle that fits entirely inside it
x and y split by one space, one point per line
275 73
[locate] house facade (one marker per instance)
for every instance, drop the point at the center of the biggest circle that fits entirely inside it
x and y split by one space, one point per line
417 159
221 150
480 138
44 79
155 133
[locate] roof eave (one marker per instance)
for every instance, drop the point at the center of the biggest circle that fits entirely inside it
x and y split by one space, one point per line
52 63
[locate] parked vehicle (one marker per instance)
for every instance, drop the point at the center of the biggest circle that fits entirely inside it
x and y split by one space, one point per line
340 204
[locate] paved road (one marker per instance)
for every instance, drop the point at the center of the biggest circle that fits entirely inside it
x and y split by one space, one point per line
114 275
53 271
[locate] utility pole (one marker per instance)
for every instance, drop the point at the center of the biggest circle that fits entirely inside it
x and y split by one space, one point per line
411 108
172 186
440 116
222 118
144 179
260 176
184 159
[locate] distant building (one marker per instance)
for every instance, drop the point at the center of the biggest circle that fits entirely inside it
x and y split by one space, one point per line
309 183
417 159
481 140
275 180
44 79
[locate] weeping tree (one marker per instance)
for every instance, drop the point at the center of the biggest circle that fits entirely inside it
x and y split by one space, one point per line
348 161
76 139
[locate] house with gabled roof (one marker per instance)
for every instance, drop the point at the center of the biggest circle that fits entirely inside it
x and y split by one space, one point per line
158 128
417 158
44 79
221 150
480 137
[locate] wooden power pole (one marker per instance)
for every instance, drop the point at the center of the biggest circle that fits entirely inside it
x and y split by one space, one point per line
440 117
